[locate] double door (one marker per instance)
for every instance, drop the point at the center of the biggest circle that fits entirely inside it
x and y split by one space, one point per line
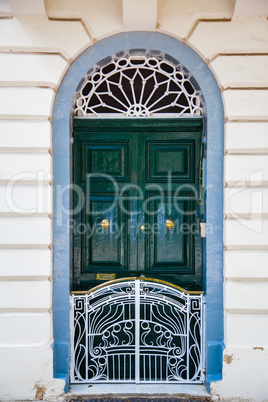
135 201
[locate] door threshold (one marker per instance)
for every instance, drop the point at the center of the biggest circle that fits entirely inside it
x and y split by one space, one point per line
182 390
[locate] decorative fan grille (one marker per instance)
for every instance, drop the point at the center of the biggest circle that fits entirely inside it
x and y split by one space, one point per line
138 86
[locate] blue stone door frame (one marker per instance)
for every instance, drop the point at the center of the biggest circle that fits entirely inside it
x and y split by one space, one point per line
213 247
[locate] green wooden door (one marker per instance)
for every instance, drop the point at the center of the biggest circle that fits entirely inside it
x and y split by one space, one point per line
136 185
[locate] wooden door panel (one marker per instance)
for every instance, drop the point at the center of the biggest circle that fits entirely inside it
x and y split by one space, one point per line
105 247
170 248
107 158
171 181
102 167
167 160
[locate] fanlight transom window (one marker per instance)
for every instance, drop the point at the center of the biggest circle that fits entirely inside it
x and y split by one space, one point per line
138 86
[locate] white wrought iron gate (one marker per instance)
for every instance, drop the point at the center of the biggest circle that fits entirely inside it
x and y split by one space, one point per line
136 330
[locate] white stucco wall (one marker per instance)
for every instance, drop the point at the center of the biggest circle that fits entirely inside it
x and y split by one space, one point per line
36 48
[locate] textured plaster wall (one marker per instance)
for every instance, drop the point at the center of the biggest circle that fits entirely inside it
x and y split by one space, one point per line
35 51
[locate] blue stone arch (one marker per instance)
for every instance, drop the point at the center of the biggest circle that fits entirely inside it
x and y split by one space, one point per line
213 247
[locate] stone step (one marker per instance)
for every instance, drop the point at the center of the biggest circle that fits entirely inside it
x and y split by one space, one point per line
141 399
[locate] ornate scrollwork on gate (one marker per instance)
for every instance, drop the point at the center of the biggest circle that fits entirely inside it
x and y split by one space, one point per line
137 331
138 85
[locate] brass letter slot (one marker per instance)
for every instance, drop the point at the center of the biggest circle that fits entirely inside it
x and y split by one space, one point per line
105 277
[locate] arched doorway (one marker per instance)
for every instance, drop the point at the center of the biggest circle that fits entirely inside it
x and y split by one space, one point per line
213 244
139 201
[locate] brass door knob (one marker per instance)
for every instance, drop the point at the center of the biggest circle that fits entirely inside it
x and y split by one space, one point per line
169 223
105 223
142 227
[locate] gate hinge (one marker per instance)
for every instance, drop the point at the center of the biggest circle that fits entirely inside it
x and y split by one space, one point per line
203 229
